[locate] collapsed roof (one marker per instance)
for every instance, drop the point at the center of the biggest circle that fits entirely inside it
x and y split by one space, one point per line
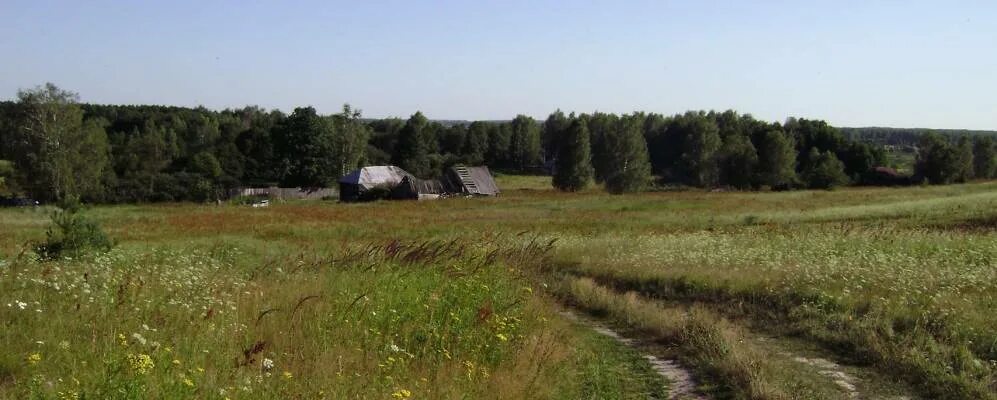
388 181
471 180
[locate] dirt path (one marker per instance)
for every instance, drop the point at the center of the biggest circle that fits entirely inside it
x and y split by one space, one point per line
854 382
681 385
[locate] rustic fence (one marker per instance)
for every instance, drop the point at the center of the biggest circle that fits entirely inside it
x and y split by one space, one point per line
279 193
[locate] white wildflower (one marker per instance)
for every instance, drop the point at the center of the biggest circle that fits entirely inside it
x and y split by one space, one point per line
138 338
267 364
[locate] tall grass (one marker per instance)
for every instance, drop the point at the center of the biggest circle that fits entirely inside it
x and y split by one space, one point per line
432 319
902 278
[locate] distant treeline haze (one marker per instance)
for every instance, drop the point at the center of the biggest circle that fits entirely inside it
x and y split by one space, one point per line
53 147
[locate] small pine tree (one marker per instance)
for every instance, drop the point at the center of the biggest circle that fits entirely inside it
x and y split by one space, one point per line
573 167
72 234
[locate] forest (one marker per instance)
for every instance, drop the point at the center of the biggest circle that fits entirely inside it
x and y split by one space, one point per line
53 147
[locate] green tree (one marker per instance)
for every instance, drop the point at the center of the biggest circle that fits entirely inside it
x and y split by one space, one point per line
938 161
6 176
256 146
964 148
555 127
207 165
629 166
573 170
499 139
305 144
859 158
738 160
413 147
984 157
58 153
824 170
776 160
142 160
452 139
350 139
476 144
700 146
601 127
524 146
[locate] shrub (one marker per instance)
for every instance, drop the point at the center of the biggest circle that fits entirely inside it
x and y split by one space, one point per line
376 193
72 234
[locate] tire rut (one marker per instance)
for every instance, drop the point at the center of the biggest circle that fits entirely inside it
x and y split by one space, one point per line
681 384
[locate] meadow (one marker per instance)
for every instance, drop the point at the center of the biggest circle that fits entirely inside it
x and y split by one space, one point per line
460 298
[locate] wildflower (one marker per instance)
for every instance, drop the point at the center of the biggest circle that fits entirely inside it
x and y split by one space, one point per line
69 395
138 338
188 382
176 362
502 337
267 364
20 304
33 358
401 394
287 375
140 363
64 345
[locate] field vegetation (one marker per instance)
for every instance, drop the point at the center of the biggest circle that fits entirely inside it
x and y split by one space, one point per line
459 298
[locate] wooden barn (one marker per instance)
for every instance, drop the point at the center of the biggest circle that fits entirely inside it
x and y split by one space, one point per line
372 182
470 181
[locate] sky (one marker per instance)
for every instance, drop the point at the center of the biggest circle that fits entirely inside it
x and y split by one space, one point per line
930 64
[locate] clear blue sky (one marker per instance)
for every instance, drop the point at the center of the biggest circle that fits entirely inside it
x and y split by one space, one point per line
886 63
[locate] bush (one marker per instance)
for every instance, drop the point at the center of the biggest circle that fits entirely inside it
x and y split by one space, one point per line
72 234
243 200
376 193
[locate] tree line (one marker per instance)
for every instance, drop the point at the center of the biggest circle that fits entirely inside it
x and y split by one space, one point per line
53 147
906 136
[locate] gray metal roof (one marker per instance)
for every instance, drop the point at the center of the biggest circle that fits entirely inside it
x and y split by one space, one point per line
375 176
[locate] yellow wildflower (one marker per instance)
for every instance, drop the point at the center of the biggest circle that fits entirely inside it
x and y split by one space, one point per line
69 395
287 375
401 394
140 363
188 382
33 358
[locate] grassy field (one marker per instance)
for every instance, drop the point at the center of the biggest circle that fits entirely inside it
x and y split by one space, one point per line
458 298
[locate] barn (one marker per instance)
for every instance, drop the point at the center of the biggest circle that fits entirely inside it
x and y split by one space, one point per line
472 181
371 182
418 189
